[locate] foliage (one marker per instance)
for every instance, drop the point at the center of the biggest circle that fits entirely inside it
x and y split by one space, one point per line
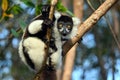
16 9
28 3
14 33
5 9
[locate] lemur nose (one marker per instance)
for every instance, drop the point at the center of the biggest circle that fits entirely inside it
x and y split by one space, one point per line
64 34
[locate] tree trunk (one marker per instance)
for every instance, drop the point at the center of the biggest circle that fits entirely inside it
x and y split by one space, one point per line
70 57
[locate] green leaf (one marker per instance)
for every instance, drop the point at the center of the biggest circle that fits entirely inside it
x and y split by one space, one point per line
14 33
38 9
22 24
28 3
70 13
16 9
60 7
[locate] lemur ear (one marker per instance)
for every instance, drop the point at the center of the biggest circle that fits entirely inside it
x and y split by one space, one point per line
57 14
76 21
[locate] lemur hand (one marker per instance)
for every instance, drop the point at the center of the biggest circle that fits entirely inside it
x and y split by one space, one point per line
48 23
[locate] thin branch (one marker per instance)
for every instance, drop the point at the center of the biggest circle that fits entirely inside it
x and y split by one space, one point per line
88 24
88 1
39 75
112 31
53 3
70 57
48 36
109 25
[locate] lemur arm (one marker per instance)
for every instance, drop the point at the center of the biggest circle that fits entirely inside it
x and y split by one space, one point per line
35 26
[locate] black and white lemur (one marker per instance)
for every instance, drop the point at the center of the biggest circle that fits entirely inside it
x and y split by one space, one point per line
32 46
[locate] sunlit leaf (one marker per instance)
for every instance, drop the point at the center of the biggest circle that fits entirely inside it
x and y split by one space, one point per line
5 15
14 33
8 15
4 5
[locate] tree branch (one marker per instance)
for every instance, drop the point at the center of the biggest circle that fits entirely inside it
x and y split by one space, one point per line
109 25
70 57
88 24
44 73
48 36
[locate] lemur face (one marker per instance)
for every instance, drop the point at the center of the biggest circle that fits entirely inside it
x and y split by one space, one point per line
65 25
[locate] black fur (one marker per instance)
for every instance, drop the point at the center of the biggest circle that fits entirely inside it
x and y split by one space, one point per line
52 44
65 18
47 23
28 60
65 21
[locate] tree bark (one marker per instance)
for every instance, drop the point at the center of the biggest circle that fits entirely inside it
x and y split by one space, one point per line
70 57
45 73
69 63
78 8
88 24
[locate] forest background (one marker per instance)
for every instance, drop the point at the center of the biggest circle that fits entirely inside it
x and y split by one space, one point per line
97 56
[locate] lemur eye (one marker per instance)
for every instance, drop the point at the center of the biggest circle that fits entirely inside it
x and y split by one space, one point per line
68 26
60 25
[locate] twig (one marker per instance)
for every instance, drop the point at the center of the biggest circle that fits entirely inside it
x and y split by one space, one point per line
110 27
48 36
112 31
88 1
38 75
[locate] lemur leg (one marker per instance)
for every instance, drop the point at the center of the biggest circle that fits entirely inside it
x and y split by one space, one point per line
35 26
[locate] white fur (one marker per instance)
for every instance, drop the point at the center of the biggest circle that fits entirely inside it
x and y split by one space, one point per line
35 26
57 14
36 51
76 22
35 48
21 52
57 56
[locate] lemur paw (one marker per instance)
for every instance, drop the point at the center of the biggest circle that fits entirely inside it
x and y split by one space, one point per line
48 22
